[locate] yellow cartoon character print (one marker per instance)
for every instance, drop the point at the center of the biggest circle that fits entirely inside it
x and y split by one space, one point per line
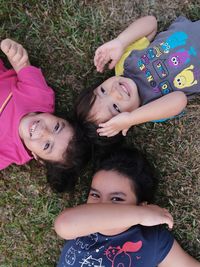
185 78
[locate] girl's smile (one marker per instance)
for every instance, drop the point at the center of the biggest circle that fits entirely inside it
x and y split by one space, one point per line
45 135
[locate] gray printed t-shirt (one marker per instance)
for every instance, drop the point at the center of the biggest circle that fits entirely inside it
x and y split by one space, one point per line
170 63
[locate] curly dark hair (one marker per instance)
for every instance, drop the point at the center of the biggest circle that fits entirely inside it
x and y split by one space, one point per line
132 164
63 176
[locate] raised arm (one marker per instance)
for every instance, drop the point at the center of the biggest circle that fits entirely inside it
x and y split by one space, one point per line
113 50
164 107
108 219
16 54
177 257
143 27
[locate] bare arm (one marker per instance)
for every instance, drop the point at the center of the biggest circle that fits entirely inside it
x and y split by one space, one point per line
108 219
164 107
143 27
177 257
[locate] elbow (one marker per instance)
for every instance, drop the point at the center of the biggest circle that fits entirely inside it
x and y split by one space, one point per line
60 226
63 225
182 100
153 22
151 27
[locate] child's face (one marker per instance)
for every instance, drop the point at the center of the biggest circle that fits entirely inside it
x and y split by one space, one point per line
115 95
45 135
111 187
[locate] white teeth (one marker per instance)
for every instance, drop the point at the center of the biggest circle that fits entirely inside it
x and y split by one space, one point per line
124 88
33 127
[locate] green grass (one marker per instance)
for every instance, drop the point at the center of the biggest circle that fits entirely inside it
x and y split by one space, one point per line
61 37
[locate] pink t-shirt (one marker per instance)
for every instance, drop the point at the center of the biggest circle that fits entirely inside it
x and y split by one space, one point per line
20 94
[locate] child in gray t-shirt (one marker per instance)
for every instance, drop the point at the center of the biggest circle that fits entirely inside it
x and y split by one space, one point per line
155 79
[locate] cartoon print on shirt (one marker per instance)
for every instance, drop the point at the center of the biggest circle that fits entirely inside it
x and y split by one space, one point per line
70 256
87 242
173 41
92 262
160 68
185 78
119 256
181 57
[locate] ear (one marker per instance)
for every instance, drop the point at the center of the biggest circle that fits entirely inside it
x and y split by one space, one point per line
35 156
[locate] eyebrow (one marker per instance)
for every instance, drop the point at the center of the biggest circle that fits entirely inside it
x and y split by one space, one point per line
118 193
93 189
113 193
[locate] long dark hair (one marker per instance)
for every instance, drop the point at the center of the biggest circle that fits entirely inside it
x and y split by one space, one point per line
132 164
63 176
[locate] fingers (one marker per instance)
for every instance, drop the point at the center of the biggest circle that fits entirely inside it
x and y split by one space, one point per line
104 129
124 132
5 45
9 47
112 64
16 54
108 132
101 58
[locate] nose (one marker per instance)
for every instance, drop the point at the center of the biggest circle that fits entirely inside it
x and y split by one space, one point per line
115 92
104 200
45 132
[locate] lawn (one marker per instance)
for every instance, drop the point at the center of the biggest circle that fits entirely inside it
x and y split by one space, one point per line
61 37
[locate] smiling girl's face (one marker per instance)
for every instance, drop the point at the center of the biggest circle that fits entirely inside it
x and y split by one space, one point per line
111 187
115 95
45 135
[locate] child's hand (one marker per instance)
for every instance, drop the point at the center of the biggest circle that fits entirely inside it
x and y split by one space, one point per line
155 215
121 122
108 52
16 54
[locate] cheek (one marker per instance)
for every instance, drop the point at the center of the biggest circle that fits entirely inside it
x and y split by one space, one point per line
32 146
128 107
92 200
89 200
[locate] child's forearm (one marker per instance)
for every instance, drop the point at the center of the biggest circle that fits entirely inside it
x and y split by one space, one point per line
107 218
143 27
162 108
90 218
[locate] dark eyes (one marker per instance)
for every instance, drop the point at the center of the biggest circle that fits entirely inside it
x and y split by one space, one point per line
47 145
103 90
94 195
116 108
117 199
57 127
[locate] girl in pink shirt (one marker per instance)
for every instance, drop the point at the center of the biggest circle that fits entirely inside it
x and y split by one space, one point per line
27 127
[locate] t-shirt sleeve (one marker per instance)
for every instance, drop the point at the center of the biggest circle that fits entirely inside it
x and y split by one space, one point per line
32 77
164 244
31 84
